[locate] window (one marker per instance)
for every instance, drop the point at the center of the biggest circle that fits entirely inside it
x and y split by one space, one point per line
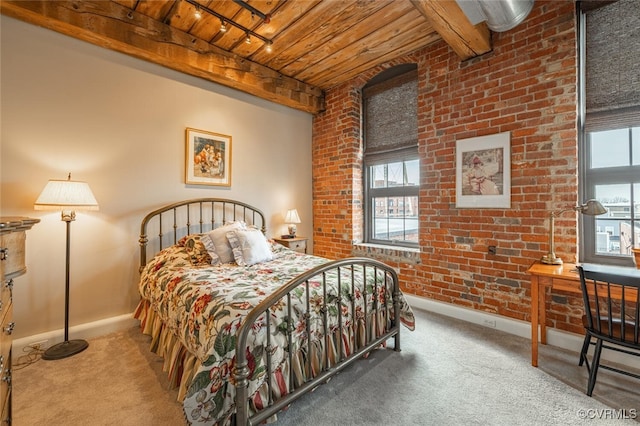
613 178
393 191
391 164
610 141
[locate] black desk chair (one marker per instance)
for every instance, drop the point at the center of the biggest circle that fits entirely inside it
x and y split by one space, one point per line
612 315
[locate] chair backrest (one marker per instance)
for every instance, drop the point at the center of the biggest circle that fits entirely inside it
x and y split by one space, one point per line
612 303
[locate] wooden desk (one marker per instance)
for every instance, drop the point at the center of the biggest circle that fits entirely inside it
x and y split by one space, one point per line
560 277
566 278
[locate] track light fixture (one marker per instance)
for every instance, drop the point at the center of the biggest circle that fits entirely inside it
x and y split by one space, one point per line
266 18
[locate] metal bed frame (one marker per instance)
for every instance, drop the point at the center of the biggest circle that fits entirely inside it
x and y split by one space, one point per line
200 215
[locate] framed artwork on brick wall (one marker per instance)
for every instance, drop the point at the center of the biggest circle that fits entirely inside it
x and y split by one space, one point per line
208 158
483 171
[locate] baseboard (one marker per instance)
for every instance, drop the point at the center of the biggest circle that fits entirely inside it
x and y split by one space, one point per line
82 331
555 337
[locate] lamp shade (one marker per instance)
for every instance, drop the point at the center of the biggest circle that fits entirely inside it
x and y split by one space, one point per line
592 208
66 194
292 216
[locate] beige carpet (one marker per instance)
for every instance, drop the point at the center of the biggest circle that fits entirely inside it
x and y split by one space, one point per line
116 381
449 373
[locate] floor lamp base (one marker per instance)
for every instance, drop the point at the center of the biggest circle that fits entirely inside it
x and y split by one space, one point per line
65 349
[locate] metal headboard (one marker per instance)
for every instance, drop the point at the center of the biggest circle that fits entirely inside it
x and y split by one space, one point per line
172 222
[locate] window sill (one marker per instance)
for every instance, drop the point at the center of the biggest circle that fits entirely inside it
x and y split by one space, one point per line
394 253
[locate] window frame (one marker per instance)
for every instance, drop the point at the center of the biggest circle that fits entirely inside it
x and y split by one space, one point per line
403 155
593 177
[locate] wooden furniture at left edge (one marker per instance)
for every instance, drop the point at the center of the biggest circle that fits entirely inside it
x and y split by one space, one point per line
560 277
12 264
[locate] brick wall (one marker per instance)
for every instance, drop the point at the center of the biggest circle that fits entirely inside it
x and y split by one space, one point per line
527 86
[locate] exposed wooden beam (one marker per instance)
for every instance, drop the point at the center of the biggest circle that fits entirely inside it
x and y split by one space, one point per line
112 26
466 39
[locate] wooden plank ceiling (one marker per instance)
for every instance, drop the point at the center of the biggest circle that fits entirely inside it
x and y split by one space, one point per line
316 44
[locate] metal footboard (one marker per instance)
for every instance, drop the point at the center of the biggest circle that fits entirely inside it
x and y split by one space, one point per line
374 274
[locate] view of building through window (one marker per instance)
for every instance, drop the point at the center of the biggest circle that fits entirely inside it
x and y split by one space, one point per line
619 229
396 217
614 153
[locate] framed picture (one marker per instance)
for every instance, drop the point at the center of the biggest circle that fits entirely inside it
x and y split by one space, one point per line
208 158
483 171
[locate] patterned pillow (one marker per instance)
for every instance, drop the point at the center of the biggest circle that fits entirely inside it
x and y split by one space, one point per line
218 239
200 250
249 246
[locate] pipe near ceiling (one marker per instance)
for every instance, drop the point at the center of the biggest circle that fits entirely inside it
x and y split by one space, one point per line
503 15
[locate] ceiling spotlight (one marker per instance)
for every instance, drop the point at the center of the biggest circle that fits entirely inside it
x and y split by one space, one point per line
198 14
269 46
247 39
223 26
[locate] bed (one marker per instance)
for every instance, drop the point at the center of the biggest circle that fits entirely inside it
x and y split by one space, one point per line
245 325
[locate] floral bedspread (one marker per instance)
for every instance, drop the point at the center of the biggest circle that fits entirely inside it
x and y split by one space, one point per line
203 306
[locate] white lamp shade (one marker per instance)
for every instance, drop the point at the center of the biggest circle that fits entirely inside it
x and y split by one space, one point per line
292 216
66 194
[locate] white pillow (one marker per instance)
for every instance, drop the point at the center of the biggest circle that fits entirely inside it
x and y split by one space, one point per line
218 237
249 246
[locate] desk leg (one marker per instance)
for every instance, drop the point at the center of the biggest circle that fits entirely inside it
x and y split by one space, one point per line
534 320
542 319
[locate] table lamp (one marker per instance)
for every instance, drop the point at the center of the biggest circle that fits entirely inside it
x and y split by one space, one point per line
590 208
292 219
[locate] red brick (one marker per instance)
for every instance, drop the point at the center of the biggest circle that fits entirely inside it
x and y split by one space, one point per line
526 85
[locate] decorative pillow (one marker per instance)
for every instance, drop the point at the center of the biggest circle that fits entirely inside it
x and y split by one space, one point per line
200 250
249 246
221 246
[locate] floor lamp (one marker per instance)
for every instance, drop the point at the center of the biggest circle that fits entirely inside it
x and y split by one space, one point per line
67 196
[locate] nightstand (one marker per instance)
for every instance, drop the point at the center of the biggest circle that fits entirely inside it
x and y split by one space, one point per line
298 244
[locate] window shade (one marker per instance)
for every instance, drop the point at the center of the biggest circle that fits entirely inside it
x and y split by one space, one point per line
613 60
614 119
391 114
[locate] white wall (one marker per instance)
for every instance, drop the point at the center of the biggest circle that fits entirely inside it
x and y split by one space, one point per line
118 123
